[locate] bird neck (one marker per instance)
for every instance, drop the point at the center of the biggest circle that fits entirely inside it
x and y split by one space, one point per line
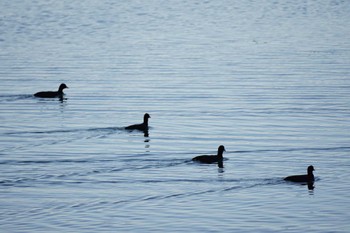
220 154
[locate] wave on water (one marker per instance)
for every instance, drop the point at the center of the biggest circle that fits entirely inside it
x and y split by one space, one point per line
65 131
341 148
55 136
10 98
89 175
54 161
232 185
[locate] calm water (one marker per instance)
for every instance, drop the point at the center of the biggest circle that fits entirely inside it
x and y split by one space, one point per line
270 80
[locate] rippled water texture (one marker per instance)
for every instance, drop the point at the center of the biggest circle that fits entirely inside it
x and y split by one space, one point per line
269 80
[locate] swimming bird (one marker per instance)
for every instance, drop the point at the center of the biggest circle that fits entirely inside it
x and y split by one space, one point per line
211 158
52 94
309 178
143 126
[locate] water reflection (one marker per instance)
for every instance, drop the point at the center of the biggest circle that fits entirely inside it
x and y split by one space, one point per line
147 139
62 99
220 164
310 186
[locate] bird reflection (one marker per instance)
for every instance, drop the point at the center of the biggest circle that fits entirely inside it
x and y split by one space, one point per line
62 99
310 186
221 166
147 139
146 133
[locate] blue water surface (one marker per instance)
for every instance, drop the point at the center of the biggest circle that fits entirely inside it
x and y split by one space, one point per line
269 80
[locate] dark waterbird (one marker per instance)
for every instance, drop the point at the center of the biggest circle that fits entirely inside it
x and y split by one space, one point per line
52 94
308 178
212 158
143 126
